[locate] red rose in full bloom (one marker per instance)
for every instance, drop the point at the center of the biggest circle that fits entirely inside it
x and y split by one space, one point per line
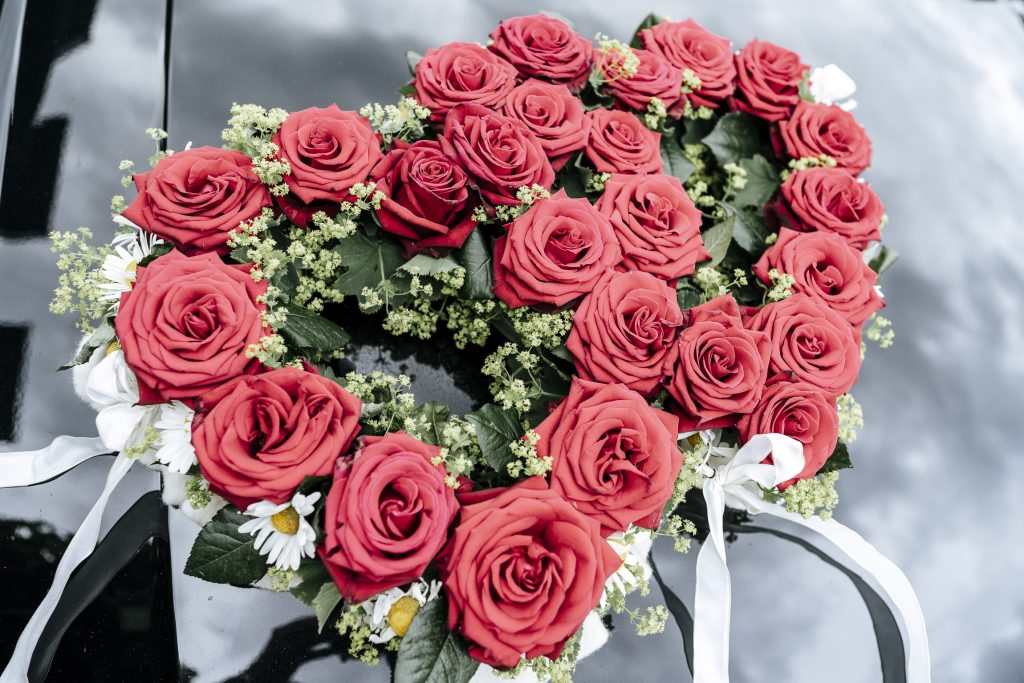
718 368
767 80
827 269
186 324
387 515
499 152
554 253
624 329
259 436
195 197
541 46
329 151
817 129
811 343
688 45
620 143
656 222
427 203
831 200
800 411
655 77
461 73
613 456
553 114
522 571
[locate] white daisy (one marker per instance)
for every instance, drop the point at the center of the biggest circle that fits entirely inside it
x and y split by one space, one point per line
119 268
634 547
175 426
390 613
282 532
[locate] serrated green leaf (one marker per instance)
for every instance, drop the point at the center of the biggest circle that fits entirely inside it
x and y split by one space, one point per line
313 575
222 554
762 181
430 653
429 265
435 414
687 294
695 130
325 603
649 21
475 257
409 90
369 261
496 429
673 161
736 136
717 239
839 460
885 260
749 230
306 330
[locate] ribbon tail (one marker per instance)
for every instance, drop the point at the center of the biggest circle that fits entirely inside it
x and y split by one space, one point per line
712 603
34 467
869 563
81 546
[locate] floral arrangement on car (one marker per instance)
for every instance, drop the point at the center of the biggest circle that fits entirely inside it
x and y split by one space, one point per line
665 249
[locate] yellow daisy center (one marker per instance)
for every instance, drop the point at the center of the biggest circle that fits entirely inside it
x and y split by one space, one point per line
401 613
693 440
286 521
131 268
114 345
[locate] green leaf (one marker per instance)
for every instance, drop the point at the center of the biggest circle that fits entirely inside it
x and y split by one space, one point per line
736 136
222 554
762 181
885 260
475 257
412 59
308 331
839 460
695 130
409 90
325 603
436 414
369 261
428 265
314 575
101 336
673 161
573 178
687 294
430 653
496 429
749 230
649 21
717 239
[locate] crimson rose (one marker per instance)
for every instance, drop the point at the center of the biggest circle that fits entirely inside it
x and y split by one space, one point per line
186 324
613 456
688 45
829 199
195 197
553 114
459 73
259 436
767 80
620 143
541 46
387 515
522 571
825 129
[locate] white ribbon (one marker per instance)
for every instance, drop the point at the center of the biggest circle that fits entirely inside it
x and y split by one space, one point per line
734 484
34 467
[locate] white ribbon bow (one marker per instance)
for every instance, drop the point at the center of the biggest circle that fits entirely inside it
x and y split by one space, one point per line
734 484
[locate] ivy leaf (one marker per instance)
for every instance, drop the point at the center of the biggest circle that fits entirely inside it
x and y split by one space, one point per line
436 414
673 161
839 460
496 429
222 554
369 261
325 603
736 136
885 260
314 575
762 181
649 21
475 257
430 653
717 239
428 265
308 331
412 59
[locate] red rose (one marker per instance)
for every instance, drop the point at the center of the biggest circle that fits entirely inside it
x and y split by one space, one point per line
620 143
460 73
655 77
817 129
831 200
387 515
827 269
811 343
499 152
688 45
194 198
767 80
613 456
259 436
623 330
553 114
802 412
427 202
522 571
544 47
656 222
718 368
329 151
186 324
553 253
